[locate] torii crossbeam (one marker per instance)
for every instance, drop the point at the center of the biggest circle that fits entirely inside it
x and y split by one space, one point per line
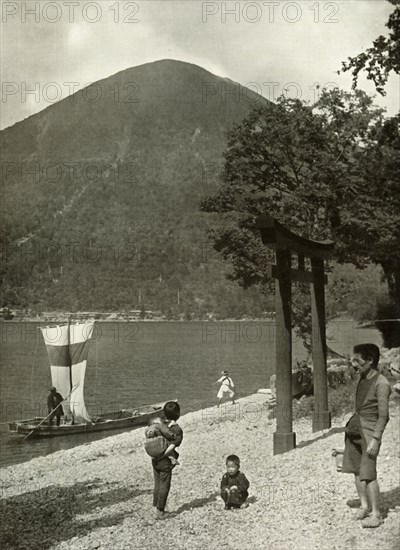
286 243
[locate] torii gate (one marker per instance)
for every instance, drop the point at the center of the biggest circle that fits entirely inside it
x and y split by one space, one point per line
285 243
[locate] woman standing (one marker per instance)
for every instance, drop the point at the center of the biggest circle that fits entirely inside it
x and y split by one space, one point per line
227 388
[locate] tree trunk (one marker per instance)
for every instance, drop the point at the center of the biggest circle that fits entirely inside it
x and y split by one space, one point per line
392 275
390 329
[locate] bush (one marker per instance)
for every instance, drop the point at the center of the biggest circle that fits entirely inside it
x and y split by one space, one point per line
340 401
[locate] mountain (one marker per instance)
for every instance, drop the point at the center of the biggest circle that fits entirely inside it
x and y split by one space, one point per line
101 194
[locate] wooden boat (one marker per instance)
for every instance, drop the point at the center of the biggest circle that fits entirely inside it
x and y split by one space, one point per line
123 419
67 348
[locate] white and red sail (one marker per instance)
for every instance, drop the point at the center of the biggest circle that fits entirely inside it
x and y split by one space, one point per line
67 349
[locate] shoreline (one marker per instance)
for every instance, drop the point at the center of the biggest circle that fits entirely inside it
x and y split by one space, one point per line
193 415
99 495
64 319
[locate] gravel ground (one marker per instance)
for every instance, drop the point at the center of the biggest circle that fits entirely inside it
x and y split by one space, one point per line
99 495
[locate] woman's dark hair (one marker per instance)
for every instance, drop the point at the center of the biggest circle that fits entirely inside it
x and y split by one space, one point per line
172 410
368 351
233 458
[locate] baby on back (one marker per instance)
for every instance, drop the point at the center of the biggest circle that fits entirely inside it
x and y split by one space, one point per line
159 440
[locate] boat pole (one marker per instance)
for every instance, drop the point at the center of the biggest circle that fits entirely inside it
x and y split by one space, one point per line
70 362
44 419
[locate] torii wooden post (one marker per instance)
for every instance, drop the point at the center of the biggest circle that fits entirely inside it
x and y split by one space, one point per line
285 243
321 416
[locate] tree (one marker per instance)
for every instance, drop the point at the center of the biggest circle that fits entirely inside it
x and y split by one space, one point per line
373 227
377 223
6 314
188 315
356 292
315 169
382 58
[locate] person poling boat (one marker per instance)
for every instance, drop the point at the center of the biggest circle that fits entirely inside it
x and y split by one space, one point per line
54 406
42 420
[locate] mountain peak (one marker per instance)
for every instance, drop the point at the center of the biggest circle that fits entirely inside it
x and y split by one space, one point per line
154 135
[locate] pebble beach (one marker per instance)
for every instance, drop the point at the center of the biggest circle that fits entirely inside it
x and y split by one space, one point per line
99 495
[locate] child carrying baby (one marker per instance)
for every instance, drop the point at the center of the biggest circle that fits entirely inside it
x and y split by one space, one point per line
159 440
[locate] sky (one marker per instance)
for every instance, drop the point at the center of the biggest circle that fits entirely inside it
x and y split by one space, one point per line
271 46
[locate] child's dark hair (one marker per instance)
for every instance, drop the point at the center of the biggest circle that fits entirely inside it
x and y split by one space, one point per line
368 351
172 410
233 458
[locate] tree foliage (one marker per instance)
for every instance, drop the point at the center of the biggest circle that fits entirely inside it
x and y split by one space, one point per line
382 58
325 171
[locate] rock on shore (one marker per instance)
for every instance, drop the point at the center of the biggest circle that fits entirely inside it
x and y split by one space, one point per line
99 495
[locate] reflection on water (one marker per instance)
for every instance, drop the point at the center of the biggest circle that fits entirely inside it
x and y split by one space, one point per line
132 364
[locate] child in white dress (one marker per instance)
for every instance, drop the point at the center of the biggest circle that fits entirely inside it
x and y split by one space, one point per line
227 388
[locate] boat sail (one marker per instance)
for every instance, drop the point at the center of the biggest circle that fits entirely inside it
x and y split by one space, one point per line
67 348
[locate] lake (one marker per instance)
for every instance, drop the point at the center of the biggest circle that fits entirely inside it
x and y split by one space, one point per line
132 364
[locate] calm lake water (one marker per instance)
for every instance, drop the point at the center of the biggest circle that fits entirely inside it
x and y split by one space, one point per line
132 364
